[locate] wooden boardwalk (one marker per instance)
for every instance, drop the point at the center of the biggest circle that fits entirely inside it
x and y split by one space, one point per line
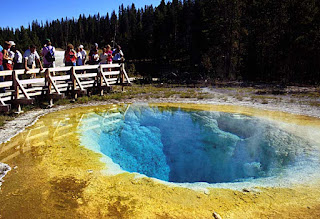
55 83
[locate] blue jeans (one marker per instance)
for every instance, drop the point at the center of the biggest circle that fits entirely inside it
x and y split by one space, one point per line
70 64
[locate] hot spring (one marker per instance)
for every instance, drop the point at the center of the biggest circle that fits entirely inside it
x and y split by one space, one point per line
186 146
178 160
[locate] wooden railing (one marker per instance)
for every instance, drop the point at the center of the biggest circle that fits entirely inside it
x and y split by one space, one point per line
21 87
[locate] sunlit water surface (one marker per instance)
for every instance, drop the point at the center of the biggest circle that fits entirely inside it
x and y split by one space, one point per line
187 146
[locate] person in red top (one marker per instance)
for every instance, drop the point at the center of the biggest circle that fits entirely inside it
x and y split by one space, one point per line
7 61
70 56
109 52
1 58
2 90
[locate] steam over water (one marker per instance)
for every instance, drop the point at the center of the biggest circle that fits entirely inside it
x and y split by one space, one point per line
181 146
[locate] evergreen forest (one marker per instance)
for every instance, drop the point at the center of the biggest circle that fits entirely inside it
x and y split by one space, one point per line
228 40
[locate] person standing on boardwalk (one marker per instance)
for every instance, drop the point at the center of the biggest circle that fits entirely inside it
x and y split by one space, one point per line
48 54
7 60
2 90
79 57
92 53
95 57
109 53
104 56
1 58
70 56
31 59
11 53
16 56
83 54
117 54
17 60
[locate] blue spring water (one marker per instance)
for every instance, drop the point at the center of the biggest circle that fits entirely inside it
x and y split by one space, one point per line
182 146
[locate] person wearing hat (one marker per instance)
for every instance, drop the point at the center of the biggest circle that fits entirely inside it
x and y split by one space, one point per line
83 54
48 54
79 57
7 60
16 56
11 53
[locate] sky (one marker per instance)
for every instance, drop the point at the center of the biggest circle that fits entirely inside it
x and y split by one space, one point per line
21 13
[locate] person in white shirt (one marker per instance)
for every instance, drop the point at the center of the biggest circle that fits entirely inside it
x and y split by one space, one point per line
15 55
31 58
79 57
83 54
104 56
95 57
17 58
11 53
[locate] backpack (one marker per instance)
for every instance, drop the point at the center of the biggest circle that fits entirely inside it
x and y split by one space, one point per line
50 55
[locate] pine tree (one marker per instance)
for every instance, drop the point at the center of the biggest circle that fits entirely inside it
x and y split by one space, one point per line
266 40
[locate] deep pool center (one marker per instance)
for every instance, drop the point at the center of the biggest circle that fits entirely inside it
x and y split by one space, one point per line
186 146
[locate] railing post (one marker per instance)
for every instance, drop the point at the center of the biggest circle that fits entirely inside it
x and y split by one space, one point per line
16 90
74 82
122 75
100 79
49 84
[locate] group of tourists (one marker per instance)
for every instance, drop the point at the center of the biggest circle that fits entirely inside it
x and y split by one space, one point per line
78 57
11 58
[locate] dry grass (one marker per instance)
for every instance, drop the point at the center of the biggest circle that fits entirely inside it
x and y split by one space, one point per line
4 119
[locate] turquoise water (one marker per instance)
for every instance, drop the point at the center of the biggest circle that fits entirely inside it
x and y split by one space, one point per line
181 146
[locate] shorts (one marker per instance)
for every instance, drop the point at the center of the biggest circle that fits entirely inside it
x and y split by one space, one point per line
18 66
7 66
50 65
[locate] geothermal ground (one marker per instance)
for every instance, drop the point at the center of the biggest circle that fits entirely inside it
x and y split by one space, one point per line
54 175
